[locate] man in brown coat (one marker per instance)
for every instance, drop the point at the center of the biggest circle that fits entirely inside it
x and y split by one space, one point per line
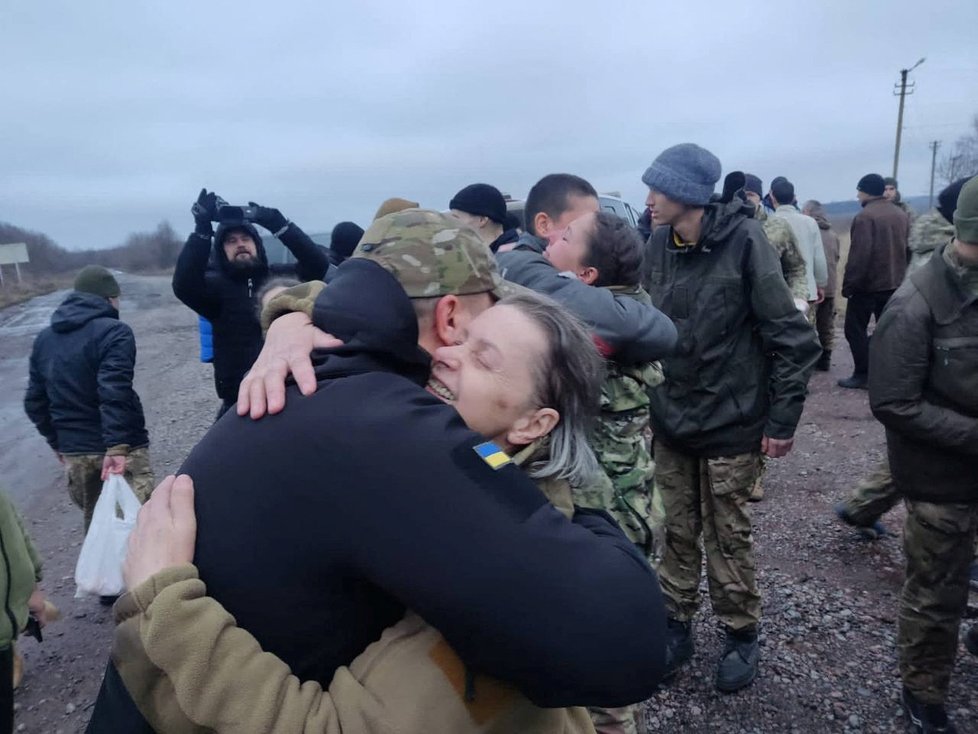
875 268
825 311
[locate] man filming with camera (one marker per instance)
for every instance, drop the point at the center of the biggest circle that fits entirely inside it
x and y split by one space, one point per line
222 288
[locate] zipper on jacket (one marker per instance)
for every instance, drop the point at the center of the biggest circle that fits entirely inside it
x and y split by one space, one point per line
250 285
6 602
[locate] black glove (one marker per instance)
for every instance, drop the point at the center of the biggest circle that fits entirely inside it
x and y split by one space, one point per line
205 212
270 219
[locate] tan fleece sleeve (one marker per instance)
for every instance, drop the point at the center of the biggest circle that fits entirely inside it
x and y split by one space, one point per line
300 297
224 681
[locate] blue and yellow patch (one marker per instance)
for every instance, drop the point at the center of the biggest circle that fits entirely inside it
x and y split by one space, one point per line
492 454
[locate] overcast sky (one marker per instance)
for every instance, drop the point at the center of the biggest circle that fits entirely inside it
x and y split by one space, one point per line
115 114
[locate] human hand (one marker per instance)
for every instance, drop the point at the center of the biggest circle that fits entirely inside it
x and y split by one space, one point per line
36 606
820 291
775 448
165 531
507 247
289 343
113 465
270 219
205 212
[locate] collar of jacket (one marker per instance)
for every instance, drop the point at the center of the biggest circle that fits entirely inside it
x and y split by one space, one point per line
942 288
720 220
873 200
532 242
379 333
508 236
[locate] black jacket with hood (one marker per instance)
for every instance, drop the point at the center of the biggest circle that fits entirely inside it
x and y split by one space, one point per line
318 526
225 295
744 354
80 393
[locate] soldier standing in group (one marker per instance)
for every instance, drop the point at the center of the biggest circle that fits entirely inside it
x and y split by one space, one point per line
825 311
930 409
742 343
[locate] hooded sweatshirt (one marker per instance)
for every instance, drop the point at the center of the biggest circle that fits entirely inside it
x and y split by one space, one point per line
80 393
830 245
225 294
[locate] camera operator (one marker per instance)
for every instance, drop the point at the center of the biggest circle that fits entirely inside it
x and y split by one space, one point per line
225 295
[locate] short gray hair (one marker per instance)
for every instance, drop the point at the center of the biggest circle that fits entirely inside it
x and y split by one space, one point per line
814 206
567 379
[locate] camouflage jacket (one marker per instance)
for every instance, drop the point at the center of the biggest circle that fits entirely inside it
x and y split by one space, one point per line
784 242
620 441
929 232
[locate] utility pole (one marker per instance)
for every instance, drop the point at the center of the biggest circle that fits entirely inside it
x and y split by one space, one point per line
934 145
902 90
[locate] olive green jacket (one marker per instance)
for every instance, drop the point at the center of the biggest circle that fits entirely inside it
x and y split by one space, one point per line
20 570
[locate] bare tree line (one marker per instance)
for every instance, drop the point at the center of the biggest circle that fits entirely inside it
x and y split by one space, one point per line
141 251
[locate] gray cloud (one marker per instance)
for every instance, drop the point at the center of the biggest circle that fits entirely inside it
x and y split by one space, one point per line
117 113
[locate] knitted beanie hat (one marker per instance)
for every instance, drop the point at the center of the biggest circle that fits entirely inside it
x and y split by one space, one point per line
98 281
481 200
685 173
872 184
966 215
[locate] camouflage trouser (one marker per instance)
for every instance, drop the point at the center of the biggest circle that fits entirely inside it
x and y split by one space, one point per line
622 720
938 541
757 490
708 497
825 323
84 473
873 497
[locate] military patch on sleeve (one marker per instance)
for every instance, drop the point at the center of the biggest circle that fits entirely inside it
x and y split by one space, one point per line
492 454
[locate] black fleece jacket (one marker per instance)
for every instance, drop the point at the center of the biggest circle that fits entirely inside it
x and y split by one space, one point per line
318 526
225 295
80 393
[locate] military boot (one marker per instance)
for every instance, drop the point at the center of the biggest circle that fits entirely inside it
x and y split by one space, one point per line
738 664
971 639
825 361
926 718
856 382
679 645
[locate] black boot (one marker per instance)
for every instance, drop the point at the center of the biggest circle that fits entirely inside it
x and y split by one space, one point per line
971 639
926 718
679 645
738 664
825 361
856 382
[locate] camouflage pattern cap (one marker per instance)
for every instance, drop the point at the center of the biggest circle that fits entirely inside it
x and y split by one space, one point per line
433 254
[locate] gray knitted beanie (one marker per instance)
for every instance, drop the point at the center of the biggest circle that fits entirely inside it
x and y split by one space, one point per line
685 173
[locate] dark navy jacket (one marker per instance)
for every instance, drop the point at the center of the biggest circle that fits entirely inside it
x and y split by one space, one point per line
80 393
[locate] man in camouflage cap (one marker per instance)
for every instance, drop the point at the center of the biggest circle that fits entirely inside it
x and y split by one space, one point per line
371 497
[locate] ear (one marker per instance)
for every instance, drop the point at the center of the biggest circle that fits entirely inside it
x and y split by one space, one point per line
542 224
532 426
589 275
448 327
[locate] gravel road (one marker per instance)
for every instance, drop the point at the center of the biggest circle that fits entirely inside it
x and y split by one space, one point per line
830 598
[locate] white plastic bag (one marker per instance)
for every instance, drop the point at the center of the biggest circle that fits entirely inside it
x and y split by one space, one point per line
99 567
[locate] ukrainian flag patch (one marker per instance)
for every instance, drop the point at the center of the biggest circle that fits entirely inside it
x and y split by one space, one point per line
492 454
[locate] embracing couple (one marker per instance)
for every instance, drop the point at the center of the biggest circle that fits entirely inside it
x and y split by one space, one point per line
398 549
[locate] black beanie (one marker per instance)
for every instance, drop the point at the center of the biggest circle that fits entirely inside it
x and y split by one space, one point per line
783 190
345 238
872 184
947 200
481 200
753 184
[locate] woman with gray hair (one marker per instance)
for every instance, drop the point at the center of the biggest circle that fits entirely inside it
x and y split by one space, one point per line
825 311
527 376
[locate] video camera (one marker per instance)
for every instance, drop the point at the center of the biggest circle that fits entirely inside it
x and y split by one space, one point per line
234 214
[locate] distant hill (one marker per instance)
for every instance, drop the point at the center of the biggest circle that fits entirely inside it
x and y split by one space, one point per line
851 208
